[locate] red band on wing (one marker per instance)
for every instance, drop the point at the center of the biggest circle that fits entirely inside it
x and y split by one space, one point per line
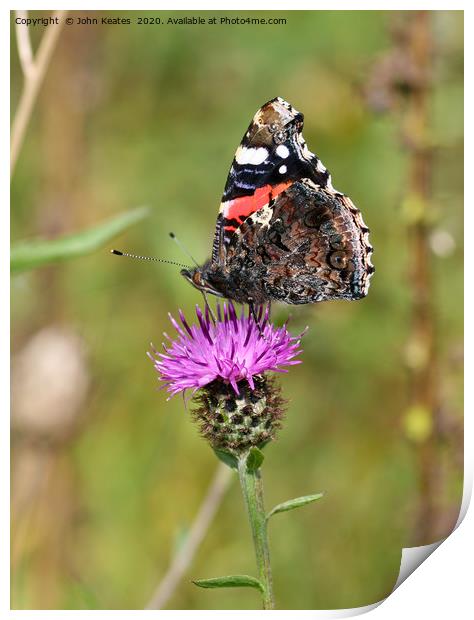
240 208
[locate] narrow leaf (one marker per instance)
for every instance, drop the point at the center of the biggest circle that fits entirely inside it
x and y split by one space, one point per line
227 458
230 581
37 252
291 504
254 459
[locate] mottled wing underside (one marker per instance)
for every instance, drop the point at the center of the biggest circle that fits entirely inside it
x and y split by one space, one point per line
309 244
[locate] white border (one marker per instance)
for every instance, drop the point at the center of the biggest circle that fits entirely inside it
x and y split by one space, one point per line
442 586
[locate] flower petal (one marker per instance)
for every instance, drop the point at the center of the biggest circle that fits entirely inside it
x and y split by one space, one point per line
231 349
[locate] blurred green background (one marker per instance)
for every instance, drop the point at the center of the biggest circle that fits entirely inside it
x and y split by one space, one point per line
106 475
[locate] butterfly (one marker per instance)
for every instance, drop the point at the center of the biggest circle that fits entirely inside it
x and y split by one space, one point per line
283 233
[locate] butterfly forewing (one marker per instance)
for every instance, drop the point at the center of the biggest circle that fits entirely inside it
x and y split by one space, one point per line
271 156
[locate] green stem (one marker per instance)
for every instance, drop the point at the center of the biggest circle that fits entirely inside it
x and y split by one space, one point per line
252 489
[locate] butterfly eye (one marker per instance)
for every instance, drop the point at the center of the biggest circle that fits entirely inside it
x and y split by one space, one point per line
197 279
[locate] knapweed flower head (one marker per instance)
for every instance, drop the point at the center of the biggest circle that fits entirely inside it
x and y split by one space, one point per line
224 363
231 349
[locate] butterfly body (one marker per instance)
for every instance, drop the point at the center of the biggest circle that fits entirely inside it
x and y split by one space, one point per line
283 233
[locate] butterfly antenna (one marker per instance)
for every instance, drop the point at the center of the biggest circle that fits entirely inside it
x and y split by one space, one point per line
158 260
182 248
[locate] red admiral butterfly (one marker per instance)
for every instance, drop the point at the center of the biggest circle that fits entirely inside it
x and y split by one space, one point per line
283 232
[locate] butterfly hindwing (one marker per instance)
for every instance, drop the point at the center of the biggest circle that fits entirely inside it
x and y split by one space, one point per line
310 244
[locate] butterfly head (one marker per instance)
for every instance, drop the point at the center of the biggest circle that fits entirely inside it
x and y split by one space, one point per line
200 278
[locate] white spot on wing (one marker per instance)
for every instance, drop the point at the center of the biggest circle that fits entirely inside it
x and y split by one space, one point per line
306 152
282 151
320 167
251 156
282 169
263 215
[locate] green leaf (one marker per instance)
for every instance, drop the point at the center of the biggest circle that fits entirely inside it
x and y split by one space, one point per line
226 457
230 581
291 504
254 459
35 253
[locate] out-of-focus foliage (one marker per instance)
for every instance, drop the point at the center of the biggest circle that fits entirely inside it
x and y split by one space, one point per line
152 115
39 252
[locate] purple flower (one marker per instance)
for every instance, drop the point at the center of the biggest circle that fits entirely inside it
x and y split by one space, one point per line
231 349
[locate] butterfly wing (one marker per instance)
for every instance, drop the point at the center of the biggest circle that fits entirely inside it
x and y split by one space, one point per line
308 244
271 157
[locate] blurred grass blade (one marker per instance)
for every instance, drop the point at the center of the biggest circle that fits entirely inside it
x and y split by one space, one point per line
31 254
291 504
179 539
230 581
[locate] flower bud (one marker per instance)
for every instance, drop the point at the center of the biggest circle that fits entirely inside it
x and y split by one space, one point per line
235 422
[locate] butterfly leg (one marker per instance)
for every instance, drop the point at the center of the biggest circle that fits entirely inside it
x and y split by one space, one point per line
206 302
256 318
